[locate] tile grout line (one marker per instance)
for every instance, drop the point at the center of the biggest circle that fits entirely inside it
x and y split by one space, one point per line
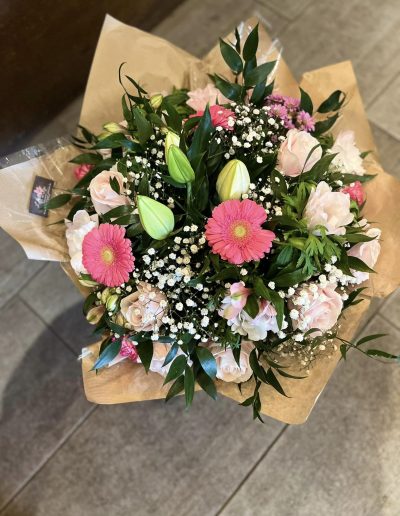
23 285
48 326
251 471
374 98
61 443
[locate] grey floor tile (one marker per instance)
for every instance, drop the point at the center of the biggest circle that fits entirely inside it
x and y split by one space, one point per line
333 31
15 268
389 150
41 396
345 459
211 21
150 459
391 309
288 8
56 300
382 110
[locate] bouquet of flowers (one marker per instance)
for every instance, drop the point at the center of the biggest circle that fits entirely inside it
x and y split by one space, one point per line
220 231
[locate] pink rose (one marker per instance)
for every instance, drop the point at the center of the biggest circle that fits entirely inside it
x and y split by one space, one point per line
368 252
294 151
233 303
257 328
356 192
348 157
81 170
198 99
144 309
227 368
104 198
315 306
329 209
220 116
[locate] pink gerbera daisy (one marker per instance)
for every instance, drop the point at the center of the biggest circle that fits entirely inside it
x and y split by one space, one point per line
234 231
107 255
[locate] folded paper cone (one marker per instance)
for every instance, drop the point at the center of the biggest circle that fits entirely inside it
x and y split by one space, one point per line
158 65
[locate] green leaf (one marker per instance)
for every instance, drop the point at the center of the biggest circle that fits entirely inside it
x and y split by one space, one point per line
333 102
320 167
325 125
288 375
89 301
109 353
58 201
115 185
201 139
207 384
171 354
251 44
382 354
137 86
358 237
231 57
343 351
207 361
247 402
358 265
368 338
176 388
230 90
251 306
119 211
258 94
176 369
259 74
144 127
256 367
145 352
88 158
289 279
306 102
189 385
274 382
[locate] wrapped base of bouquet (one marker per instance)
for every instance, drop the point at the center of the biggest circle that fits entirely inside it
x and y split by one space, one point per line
301 374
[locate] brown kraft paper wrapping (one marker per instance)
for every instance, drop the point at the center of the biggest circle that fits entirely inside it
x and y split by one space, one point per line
158 66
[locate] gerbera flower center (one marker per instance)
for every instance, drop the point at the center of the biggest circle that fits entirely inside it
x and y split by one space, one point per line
240 230
107 255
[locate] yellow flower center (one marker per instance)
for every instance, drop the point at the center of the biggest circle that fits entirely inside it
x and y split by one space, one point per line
107 255
240 230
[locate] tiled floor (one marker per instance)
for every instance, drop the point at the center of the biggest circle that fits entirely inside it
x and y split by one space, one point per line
59 455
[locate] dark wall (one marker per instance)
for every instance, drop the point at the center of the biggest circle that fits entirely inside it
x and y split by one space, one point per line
46 47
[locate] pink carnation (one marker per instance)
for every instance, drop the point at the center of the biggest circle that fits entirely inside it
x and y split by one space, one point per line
356 192
128 350
220 116
81 171
107 255
234 231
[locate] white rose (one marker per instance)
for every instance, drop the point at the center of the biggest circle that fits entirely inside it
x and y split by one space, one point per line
82 223
328 209
368 252
104 198
227 368
294 151
160 351
348 157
